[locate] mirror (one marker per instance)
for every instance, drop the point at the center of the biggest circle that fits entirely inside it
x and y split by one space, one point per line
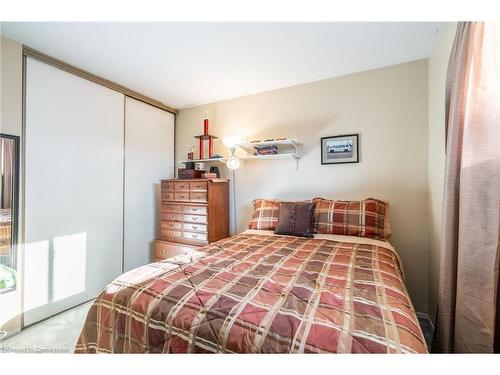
9 187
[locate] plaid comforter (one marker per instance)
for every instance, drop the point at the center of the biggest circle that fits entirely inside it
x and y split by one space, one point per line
259 294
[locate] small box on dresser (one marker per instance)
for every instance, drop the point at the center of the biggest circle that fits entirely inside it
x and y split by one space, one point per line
194 213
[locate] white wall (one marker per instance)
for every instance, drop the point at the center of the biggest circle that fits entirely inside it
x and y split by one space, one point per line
11 123
438 64
387 107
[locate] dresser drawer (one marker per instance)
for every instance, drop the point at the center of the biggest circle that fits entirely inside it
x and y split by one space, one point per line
165 250
195 219
196 210
167 186
192 227
170 216
173 234
172 208
194 236
167 195
181 186
198 197
171 225
198 186
183 196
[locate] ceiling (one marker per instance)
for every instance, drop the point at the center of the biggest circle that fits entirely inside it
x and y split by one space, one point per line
186 64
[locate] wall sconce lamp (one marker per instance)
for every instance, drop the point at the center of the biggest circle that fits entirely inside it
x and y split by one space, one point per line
232 163
231 142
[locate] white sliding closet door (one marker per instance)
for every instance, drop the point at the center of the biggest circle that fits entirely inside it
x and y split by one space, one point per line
149 157
74 189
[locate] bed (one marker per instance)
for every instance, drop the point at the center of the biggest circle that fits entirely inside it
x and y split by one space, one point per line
258 292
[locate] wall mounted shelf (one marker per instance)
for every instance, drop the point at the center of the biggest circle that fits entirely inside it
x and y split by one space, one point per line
211 160
290 142
270 157
285 148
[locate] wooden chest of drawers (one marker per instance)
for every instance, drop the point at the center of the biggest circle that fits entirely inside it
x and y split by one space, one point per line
165 249
193 213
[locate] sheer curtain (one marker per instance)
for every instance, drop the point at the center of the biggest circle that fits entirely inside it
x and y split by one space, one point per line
468 288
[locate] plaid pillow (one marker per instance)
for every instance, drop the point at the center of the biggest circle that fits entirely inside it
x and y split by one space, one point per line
265 214
364 218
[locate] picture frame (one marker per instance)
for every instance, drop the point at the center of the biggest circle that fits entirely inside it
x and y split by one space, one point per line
340 149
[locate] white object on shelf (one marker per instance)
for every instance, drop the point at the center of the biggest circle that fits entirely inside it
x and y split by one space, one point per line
210 160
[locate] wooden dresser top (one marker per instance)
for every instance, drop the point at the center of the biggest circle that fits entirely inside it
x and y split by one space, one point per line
195 179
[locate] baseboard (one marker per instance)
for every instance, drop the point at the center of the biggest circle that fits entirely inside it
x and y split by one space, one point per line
60 312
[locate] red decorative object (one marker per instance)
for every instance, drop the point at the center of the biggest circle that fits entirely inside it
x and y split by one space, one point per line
204 137
205 126
201 147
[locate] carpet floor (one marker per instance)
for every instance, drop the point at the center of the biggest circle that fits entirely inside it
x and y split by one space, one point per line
57 334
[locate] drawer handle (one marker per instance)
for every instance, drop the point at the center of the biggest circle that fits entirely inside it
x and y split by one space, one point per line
163 251
198 196
195 226
171 216
194 235
195 218
170 225
195 209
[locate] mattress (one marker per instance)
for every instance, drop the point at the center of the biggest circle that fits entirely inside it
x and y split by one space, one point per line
257 292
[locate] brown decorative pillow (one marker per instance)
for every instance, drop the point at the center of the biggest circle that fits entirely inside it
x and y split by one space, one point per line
366 218
265 214
296 219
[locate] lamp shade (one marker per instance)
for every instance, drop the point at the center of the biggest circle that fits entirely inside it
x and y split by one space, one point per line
233 163
230 141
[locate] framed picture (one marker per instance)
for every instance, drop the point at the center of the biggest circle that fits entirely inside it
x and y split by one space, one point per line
340 149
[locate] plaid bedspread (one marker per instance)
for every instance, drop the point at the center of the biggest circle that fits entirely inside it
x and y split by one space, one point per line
259 294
